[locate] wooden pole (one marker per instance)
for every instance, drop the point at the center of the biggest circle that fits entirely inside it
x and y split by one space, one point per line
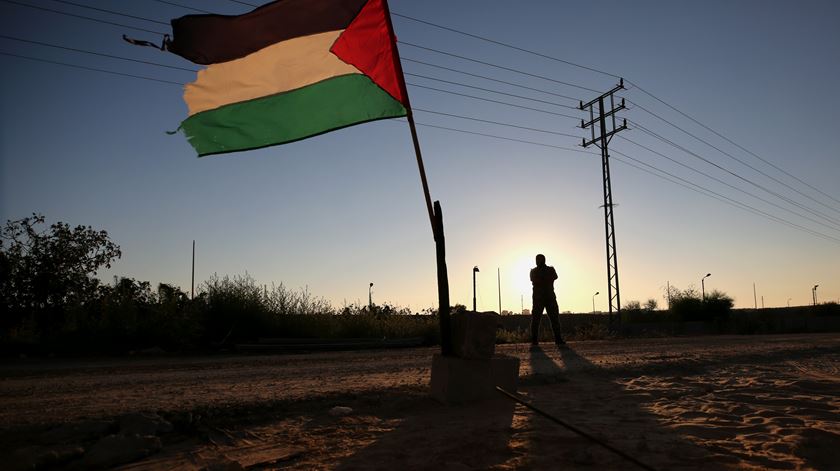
435 213
192 282
443 284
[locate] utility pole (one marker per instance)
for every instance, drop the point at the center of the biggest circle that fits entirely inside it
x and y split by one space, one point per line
755 299
602 140
499 281
192 280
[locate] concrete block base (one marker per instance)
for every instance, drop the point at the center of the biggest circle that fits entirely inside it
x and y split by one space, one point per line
474 334
457 380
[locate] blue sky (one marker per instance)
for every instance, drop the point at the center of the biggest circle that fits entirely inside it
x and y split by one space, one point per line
336 212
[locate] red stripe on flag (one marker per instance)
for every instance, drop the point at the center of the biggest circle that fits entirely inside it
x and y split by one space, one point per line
369 45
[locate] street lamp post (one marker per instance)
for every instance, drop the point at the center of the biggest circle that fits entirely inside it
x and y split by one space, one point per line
593 301
814 293
475 270
703 285
789 301
370 296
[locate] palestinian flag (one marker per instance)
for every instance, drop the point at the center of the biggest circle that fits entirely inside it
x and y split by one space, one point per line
288 70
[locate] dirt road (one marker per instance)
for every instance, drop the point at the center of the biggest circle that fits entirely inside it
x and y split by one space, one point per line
732 401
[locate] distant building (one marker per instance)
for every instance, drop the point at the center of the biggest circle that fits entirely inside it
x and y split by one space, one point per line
526 312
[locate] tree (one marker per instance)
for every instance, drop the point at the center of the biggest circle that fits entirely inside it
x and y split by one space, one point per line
651 305
688 305
45 271
632 306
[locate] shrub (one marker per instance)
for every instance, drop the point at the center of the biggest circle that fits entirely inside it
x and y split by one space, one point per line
233 309
688 305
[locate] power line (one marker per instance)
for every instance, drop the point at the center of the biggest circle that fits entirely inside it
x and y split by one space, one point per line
491 100
732 156
438 51
720 197
493 136
668 177
97 20
727 184
513 70
182 6
545 56
410 60
111 56
112 12
490 90
761 187
194 70
499 43
635 85
101 54
470 118
734 202
243 3
75 66
732 142
422 62
490 78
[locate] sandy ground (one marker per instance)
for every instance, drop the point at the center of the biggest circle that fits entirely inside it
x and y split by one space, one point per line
724 402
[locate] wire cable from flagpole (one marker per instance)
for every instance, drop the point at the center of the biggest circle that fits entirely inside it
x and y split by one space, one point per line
574 429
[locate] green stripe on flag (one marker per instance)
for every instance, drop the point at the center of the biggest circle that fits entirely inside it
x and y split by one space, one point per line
277 119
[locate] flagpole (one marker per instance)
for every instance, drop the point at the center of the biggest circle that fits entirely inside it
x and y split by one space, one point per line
435 213
420 166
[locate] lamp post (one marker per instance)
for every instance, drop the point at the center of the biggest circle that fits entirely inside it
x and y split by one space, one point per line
475 270
703 285
593 301
814 293
499 281
370 296
789 301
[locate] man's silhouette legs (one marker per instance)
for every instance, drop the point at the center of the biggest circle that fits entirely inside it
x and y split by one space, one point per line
553 311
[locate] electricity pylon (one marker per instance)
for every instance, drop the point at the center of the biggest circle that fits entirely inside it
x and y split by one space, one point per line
606 124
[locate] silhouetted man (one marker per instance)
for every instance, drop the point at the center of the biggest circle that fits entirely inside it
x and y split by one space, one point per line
542 278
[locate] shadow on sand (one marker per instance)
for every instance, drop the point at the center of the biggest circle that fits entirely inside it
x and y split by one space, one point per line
429 435
569 387
500 434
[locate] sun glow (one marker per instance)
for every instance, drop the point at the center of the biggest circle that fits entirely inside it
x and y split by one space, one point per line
516 282
521 268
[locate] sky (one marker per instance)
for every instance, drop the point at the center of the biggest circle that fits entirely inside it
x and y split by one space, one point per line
333 213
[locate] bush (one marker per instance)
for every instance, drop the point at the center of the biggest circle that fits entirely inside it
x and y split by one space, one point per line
635 312
233 309
688 305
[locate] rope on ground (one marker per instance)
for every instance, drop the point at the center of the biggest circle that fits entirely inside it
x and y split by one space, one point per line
576 430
